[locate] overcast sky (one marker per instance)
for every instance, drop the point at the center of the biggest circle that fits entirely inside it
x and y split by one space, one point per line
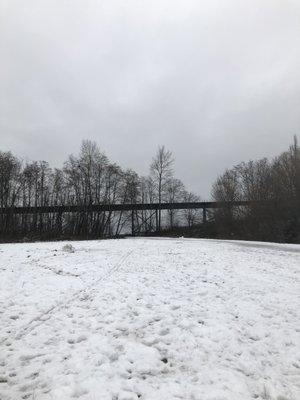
216 81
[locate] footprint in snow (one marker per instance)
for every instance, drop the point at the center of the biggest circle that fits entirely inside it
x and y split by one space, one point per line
125 395
80 339
78 392
14 317
164 331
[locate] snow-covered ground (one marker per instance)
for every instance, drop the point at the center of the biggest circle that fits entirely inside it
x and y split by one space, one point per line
150 319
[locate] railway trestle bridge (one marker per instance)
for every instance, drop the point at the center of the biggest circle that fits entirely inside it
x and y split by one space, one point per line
137 220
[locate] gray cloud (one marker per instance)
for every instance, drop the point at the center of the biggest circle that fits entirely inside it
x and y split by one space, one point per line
216 81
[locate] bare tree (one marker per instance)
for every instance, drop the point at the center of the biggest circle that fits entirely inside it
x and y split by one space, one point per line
174 192
273 187
10 168
191 216
161 171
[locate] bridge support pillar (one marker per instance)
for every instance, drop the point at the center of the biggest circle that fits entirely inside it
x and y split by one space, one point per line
132 223
204 216
59 223
156 220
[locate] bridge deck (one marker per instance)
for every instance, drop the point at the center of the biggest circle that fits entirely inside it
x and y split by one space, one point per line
122 207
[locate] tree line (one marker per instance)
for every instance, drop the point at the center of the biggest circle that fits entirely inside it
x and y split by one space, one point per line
91 178
276 184
85 179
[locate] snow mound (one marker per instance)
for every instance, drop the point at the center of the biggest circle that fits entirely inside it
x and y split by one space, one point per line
68 248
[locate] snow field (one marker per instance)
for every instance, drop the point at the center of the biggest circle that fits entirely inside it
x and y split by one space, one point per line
149 319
